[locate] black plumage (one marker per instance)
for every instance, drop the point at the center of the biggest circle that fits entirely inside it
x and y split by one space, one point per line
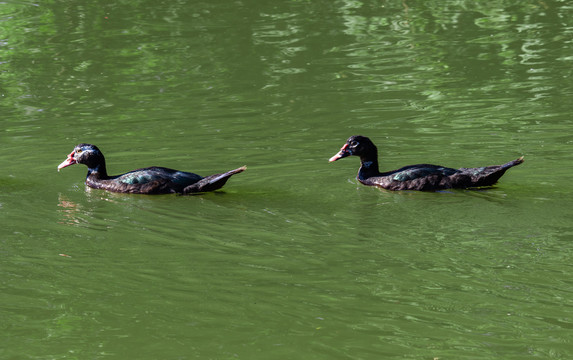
417 177
151 180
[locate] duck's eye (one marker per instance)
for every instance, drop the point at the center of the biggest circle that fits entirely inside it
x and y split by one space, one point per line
79 151
353 143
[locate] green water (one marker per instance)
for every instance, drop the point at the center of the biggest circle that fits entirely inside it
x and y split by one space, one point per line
294 259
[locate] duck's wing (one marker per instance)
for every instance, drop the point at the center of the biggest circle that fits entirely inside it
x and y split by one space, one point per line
157 174
413 172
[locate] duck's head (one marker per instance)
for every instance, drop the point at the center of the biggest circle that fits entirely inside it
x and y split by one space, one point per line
86 154
356 145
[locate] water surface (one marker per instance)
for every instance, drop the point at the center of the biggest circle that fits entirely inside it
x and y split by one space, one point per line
293 258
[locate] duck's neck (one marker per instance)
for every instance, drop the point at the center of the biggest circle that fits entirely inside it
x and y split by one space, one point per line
368 165
98 172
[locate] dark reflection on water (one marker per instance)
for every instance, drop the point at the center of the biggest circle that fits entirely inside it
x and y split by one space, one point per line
294 258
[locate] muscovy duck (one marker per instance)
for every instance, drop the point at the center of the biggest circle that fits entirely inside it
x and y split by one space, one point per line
151 180
424 177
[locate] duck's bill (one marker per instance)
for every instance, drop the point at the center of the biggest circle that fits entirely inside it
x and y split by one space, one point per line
341 154
69 161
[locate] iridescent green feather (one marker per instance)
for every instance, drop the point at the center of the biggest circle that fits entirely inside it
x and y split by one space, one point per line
414 173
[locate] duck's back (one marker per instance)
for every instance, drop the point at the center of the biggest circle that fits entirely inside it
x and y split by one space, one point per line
151 180
417 177
155 173
434 177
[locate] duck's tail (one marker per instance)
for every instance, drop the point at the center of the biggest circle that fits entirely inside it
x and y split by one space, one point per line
512 163
491 174
212 182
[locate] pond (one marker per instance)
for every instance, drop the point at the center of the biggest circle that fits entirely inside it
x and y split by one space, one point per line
293 258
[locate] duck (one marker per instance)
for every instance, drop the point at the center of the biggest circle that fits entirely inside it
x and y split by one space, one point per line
421 177
150 180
